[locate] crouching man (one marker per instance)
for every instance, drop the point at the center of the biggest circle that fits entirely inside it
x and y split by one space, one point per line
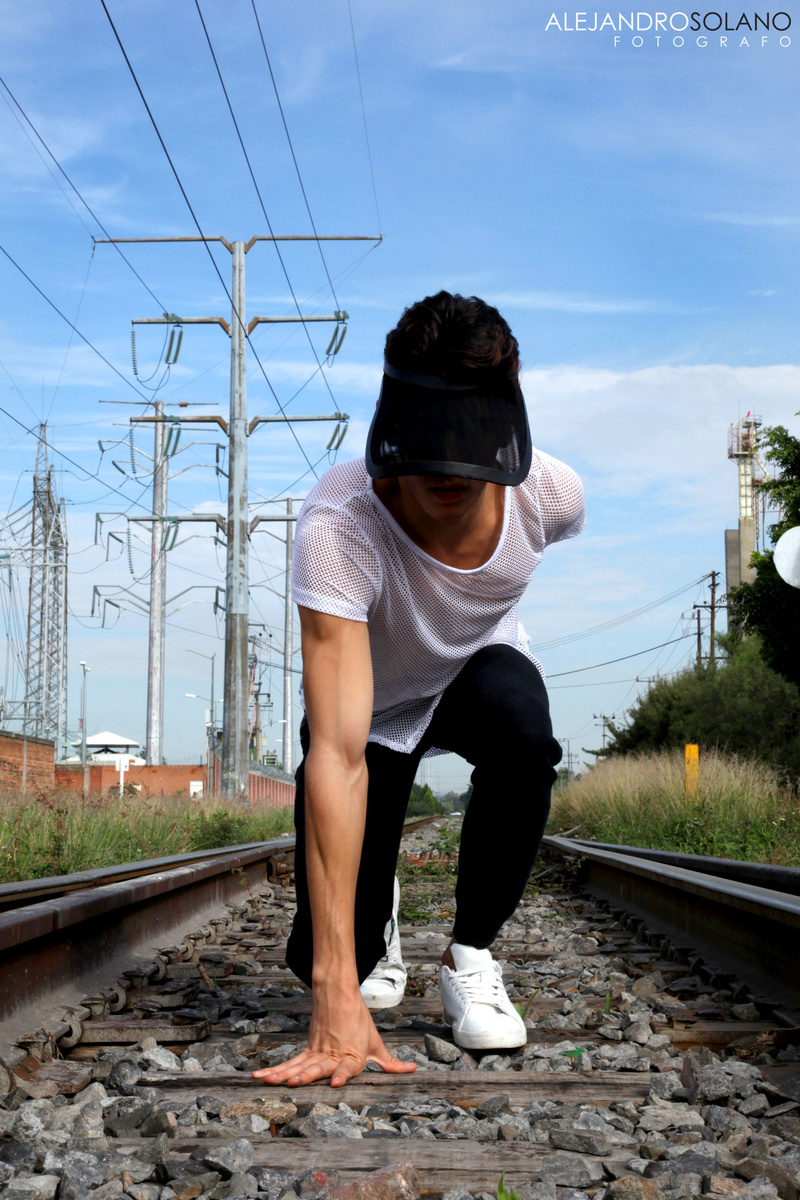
407 571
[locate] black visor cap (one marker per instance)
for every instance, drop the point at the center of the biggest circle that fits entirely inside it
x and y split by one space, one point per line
425 425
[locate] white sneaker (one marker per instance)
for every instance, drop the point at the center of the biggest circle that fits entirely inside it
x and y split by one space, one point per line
475 1002
386 986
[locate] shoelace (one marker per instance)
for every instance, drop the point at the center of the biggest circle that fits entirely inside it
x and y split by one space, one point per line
484 987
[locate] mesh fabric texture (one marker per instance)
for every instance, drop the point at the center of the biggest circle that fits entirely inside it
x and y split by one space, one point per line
426 619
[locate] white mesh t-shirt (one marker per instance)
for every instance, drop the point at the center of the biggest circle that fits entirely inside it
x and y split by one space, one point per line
426 619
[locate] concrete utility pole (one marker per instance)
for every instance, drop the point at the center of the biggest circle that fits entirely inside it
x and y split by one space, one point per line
288 648
602 717
235 757
154 752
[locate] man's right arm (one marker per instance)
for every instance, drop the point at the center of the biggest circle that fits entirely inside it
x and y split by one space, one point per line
337 687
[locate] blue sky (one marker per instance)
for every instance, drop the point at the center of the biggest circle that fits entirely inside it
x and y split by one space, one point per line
632 210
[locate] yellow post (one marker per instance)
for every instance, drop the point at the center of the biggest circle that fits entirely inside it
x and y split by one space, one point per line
692 772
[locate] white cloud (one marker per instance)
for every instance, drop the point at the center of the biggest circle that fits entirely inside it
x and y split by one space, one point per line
572 303
756 220
657 434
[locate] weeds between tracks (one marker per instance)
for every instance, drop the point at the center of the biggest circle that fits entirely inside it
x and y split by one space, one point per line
742 809
59 833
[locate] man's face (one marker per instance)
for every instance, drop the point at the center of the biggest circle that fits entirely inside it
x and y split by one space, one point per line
443 498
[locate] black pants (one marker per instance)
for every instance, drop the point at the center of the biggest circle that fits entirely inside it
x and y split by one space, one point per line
496 715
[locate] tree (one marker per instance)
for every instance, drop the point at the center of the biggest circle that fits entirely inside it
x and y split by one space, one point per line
423 803
739 705
768 606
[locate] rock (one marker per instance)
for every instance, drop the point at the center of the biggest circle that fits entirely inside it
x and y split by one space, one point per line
664 1087
513 1127
20 1155
759 1189
695 1162
237 1156
493 1107
441 1051
43 1187
634 1187
78 1177
536 1191
273 1111
192 1066
271 1184
714 1084
638 1031
581 1141
745 1012
161 1059
242 1184
754 1106
123 1072
314 1181
94 1094
769 1169
721 1185
144 1191
571 1170
108 1191
210 1104
160 1122
398 1182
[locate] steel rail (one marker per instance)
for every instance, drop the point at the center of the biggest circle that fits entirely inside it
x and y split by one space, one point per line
26 891
780 879
739 928
72 941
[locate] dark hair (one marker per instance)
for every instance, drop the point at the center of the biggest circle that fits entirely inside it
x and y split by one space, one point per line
453 336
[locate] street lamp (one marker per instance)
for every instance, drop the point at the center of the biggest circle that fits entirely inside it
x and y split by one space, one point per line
210 729
83 731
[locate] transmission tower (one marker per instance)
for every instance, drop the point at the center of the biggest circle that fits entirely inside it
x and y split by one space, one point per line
45 710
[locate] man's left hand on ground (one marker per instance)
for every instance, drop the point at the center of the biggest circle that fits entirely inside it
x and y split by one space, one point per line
342 1040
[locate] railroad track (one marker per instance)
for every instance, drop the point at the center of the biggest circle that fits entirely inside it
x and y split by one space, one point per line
647 1073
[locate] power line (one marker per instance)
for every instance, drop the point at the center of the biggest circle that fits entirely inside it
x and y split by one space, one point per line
637 612
199 230
594 666
294 157
78 194
364 113
261 201
73 463
73 327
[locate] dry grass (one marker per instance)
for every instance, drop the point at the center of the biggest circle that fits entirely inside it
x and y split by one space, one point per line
58 834
741 811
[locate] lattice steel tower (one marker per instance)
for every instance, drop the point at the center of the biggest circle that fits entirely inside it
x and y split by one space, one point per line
45 712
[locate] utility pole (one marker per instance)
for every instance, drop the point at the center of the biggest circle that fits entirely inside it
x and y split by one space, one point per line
712 607
604 719
235 756
288 648
699 640
154 752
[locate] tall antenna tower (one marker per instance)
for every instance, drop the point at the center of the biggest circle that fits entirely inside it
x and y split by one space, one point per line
45 711
741 543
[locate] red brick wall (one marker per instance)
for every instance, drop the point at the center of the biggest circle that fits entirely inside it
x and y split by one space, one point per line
29 759
168 780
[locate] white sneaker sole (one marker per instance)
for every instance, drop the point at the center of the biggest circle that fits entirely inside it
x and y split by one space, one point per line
487 1040
378 1000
